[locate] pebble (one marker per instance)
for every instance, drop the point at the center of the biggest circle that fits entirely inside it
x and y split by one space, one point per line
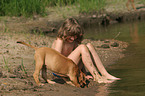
115 44
105 46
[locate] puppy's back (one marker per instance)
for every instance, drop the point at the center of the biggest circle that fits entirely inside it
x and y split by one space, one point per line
55 61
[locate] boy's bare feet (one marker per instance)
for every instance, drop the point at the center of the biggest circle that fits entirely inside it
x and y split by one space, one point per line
103 80
110 77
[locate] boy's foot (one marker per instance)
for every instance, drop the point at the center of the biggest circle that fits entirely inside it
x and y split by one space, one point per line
110 77
103 80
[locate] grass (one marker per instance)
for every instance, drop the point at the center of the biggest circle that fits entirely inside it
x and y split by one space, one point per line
28 8
38 7
7 67
6 64
23 68
91 5
21 7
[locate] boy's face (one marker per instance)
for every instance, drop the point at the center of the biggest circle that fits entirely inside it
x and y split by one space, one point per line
71 38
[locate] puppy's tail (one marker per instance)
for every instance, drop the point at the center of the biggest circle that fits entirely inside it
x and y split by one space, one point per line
21 42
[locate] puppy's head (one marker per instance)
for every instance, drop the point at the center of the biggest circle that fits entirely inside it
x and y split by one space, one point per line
82 79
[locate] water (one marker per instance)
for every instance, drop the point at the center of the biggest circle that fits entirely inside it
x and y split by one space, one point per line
131 68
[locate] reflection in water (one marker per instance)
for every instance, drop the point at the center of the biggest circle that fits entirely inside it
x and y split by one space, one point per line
134 32
103 90
130 69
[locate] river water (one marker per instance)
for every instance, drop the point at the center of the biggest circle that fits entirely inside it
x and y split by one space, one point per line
131 68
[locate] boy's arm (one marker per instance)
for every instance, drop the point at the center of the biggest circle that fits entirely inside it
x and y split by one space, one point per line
57 45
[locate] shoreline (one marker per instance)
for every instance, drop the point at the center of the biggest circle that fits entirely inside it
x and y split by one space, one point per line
45 25
13 55
14 80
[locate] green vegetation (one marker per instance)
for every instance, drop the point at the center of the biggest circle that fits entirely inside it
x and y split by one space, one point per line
29 8
6 64
23 68
21 7
91 5
38 7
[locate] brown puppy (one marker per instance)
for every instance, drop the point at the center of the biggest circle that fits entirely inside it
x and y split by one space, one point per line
47 58
132 4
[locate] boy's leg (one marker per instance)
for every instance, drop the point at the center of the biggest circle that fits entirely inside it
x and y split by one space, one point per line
98 63
82 51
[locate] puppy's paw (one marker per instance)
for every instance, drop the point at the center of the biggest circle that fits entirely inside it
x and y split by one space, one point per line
40 84
88 77
51 82
70 83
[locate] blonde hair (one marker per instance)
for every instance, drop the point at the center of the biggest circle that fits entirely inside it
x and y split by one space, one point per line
71 27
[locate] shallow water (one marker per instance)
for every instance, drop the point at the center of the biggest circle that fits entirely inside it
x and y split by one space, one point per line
131 68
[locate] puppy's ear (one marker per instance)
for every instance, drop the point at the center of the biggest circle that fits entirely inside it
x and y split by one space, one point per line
83 76
82 79
80 76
